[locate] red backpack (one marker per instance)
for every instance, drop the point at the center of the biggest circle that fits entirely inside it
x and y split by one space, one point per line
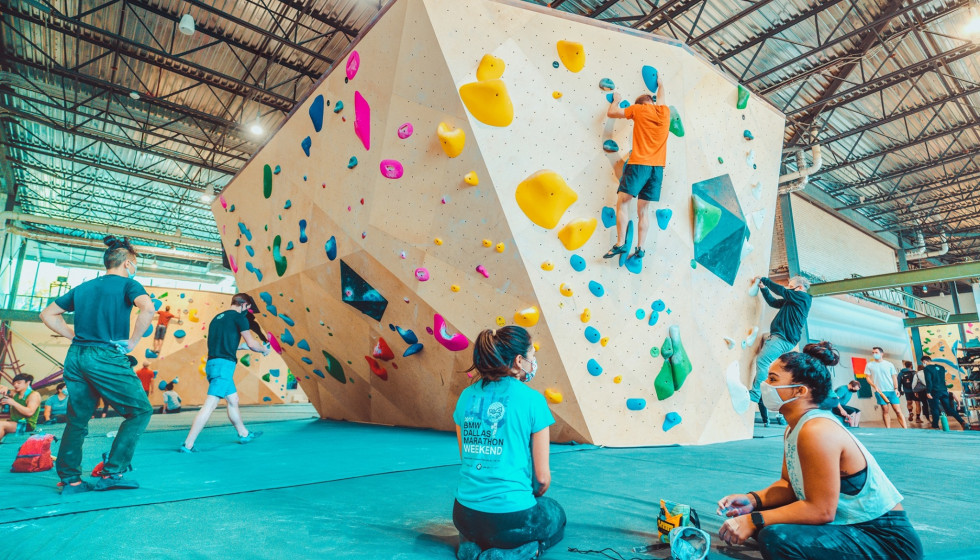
34 455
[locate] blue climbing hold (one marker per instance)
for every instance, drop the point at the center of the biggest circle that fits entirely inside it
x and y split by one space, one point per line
596 289
250 250
352 163
636 404
407 334
608 216
307 361
244 229
577 262
149 331
650 78
307 143
286 319
609 97
413 349
277 170
303 345
267 398
288 205
150 354
654 317
610 146
316 113
274 372
591 334
319 373
162 386
266 297
179 333
287 338
338 106
672 419
272 310
658 305
331 247
634 264
594 368
624 104
606 83
640 314
663 217
302 231
157 304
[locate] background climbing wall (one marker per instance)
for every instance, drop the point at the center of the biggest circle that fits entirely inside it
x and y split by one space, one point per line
360 197
186 345
942 343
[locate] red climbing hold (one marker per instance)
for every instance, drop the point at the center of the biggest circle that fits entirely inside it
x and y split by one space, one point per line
376 368
382 351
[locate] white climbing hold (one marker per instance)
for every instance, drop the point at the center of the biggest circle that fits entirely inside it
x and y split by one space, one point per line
757 190
739 392
730 342
759 218
754 288
753 335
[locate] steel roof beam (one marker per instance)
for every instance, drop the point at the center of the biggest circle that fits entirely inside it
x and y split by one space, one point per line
897 279
943 159
773 31
306 8
665 13
735 17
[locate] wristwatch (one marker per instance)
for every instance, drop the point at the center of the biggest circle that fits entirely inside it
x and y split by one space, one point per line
757 520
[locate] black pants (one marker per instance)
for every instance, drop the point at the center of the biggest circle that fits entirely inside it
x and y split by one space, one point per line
889 537
545 523
940 403
847 409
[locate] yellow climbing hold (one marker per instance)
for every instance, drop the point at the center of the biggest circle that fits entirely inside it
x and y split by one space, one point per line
527 317
556 94
490 68
437 241
454 287
536 346
544 197
565 290
452 139
577 232
192 316
586 315
572 55
547 265
618 379
501 321
487 243
501 247
471 179
553 396
488 102
604 340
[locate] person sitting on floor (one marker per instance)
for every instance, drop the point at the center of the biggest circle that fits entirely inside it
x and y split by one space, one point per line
171 400
25 406
833 500
836 403
503 430
56 407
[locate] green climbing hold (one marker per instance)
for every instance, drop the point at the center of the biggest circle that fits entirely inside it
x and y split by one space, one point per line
266 378
720 160
706 217
334 368
655 351
267 181
278 257
676 125
694 263
246 360
664 382
163 295
679 361
743 97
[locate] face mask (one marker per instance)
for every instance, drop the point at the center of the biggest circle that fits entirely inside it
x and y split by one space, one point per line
876 356
529 375
771 398
133 273
65 391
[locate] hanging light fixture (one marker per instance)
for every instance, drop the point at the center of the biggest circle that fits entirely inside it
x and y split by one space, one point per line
186 25
256 127
973 23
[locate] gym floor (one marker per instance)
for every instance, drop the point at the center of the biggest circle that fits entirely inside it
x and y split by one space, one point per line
320 489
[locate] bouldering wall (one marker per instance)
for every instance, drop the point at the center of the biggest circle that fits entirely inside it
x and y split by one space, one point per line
455 171
942 344
260 380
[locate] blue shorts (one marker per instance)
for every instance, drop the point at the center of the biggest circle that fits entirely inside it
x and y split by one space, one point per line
892 397
221 377
642 181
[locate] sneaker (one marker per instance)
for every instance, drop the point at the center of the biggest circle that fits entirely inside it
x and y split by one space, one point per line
910 416
638 254
69 489
616 250
115 482
249 437
184 449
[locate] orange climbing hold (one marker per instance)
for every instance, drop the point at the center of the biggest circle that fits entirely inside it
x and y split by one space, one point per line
488 102
572 55
577 232
527 317
451 139
490 68
544 197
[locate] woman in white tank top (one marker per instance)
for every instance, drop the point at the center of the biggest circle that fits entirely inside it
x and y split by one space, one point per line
832 501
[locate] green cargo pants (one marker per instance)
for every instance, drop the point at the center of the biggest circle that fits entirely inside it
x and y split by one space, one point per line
91 372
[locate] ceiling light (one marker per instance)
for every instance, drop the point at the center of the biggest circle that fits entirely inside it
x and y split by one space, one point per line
256 127
206 198
973 25
134 96
186 25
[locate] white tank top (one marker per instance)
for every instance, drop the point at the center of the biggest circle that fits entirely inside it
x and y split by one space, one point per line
877 497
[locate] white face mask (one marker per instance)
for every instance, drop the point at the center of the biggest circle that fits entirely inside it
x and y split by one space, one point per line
529 375
876 355
771 398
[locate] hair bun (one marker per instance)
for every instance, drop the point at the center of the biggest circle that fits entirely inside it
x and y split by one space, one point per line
110 240
824 352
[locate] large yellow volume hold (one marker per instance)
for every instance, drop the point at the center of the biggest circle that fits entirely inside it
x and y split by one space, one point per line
527 317
452 139
572 55
488 102
544 197
577 232
490 68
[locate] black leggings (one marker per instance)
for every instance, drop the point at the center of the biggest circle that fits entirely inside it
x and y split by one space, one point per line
545 523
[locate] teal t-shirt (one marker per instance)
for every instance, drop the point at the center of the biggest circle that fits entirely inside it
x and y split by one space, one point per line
496 424
224 335
58 406
102 308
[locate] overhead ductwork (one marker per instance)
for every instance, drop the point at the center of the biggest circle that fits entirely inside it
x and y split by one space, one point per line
919 251
795 181
49 237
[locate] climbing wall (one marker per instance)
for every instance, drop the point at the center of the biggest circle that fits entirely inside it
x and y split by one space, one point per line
942 343
454 173
259 380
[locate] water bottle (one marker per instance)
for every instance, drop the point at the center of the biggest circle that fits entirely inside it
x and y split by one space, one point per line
943 421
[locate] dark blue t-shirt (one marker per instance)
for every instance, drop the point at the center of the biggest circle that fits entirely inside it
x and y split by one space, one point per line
224 335
102 307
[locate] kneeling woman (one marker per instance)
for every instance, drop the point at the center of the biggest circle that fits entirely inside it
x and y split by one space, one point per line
833 500
502 427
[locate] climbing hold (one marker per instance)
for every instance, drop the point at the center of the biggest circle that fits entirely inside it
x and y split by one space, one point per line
654 317
743 97
618 379
278 257
277 170
553 396
302 232
608 217
334 368
405 130
307 143
527 317
609 98
754 288
487 243
421 274
610 146
606 84
352 162
670 420
636 404
316 112
391 169
676 125
738 392
437 241
577 262
565 290
555 64
624 104
246 360
596 289
331 248
483 271
592 335
362 120
455 288
706 217
655 351
224 203
376 368
572 55
501 320
640 314
287 205
547 265
150 354
577 232
490 68
500 248
757 190
658 305
471 179
407 334
287 338
663 217
676 365
303 345
752 336
730 342
747 134
179 333
451 139
586 315
488 102
250 250
556 94
544 197
413 349
338 107
353 64
192 316
274 343
750 159
454 342
649 74
694 263
594 368
604 341
267 180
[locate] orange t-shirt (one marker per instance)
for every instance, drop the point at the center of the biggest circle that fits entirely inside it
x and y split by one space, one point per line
651 125
146 377
165 317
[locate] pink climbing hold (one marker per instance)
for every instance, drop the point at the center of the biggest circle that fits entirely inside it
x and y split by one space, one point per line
483 270
353 64
392 169
362 120
234 265
224 203
454 342
405 130
421 274
274 344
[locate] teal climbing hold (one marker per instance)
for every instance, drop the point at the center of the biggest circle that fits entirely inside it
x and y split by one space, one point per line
654 317
720 160
747 134
608 217
672 419
302 231
250 250
303 345
277 170
640 314
594 368
331 248
609 97
591 334
289 246
307 361
555 64
244 229
636 404
231 208
658 305
338 107
676 124
288 205
649 74
596 289
607 84
577 262
287 338
663 217
352 163
610 146
624 104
